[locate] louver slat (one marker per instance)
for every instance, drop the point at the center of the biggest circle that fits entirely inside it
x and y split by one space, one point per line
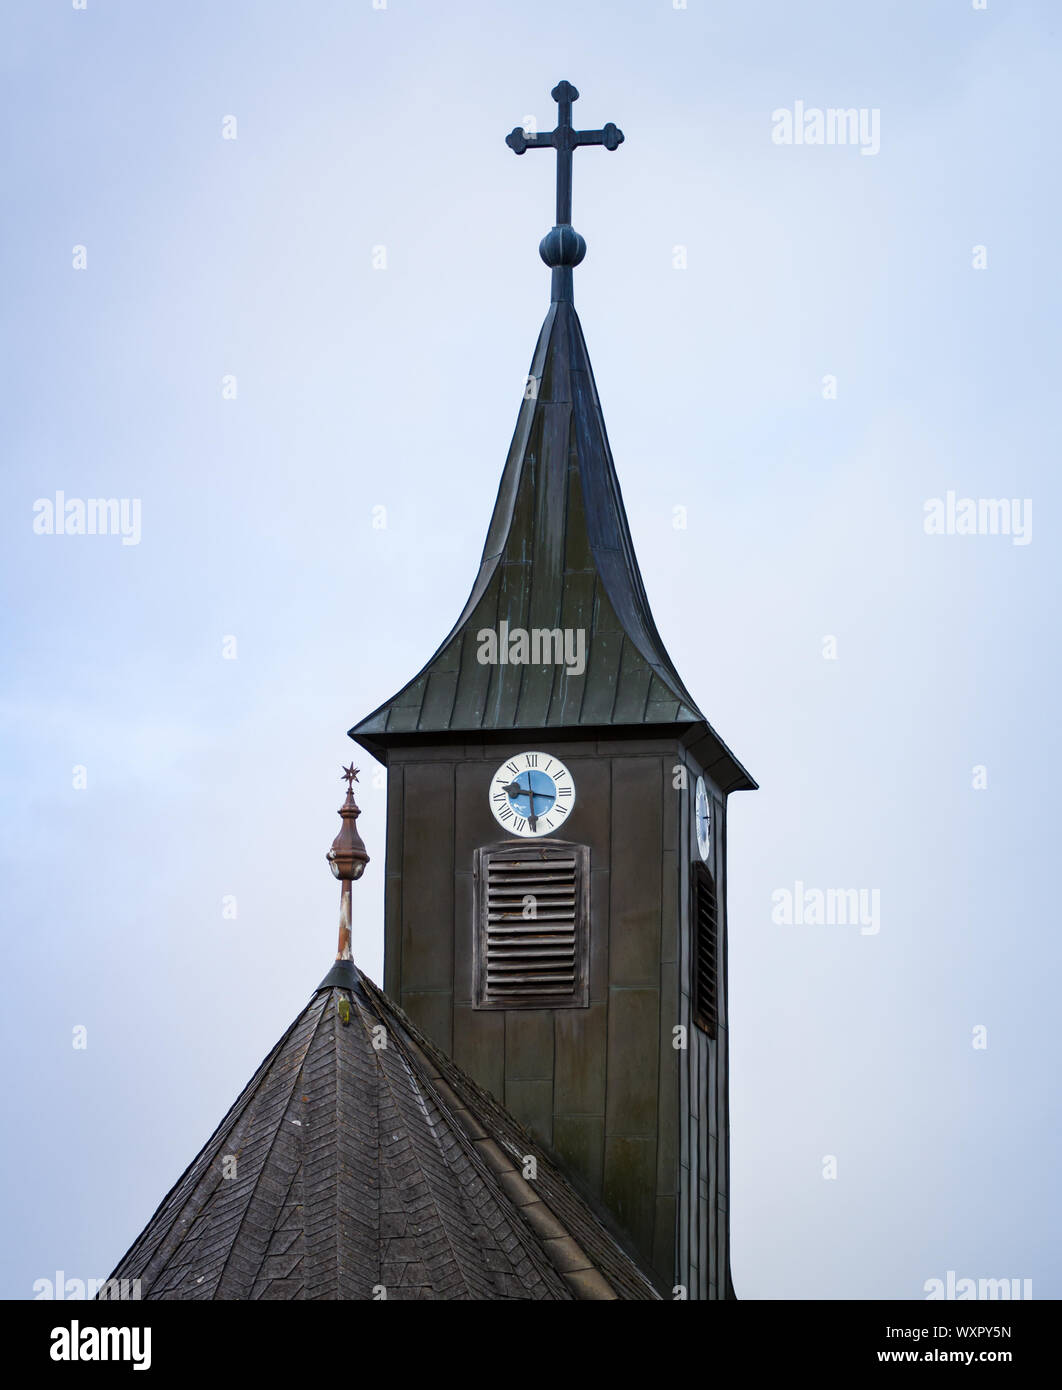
532 923
705 955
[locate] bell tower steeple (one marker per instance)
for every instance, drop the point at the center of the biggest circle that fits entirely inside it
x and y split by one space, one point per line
556 883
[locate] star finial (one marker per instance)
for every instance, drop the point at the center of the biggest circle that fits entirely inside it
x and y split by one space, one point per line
350 776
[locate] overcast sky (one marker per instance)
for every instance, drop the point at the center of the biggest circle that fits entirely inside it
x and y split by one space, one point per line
800 344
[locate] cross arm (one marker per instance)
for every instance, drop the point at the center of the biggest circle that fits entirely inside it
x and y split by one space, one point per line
519 141
611 137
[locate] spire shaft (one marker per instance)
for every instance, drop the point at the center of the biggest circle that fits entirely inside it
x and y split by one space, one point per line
344 922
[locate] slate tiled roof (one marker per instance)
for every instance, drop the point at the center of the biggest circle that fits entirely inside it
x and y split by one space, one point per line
362 1168
558 555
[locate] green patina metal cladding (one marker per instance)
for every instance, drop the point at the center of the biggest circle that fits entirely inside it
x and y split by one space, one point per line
558 555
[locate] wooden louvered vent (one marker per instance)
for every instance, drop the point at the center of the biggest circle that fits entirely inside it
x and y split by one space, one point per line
705 952
532 923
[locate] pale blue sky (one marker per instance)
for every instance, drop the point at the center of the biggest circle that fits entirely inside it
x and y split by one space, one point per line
399 388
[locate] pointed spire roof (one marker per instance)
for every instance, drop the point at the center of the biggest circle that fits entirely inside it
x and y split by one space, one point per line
558 555
558 559
360 1158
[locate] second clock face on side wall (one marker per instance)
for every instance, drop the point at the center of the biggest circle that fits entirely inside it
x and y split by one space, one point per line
703 813
531 794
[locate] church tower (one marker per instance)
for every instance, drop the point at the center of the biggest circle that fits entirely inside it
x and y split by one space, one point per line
556 835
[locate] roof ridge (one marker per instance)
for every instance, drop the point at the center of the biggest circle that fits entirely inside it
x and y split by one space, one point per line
632 1278
387 1081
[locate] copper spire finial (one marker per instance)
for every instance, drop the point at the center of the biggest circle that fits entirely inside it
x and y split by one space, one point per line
347 858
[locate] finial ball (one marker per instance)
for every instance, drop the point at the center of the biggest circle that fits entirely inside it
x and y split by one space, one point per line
562 246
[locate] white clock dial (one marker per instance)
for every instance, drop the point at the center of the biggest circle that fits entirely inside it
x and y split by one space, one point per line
702 811
531 794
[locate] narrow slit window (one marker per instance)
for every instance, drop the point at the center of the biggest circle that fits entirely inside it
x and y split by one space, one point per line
532 926
705 918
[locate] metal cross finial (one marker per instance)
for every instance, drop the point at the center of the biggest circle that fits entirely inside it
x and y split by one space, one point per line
350 776
564 140
564 248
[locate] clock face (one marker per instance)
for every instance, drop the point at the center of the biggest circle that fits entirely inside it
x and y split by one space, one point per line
703 813
531 794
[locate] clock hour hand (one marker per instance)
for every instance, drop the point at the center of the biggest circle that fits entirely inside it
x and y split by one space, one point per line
515 789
